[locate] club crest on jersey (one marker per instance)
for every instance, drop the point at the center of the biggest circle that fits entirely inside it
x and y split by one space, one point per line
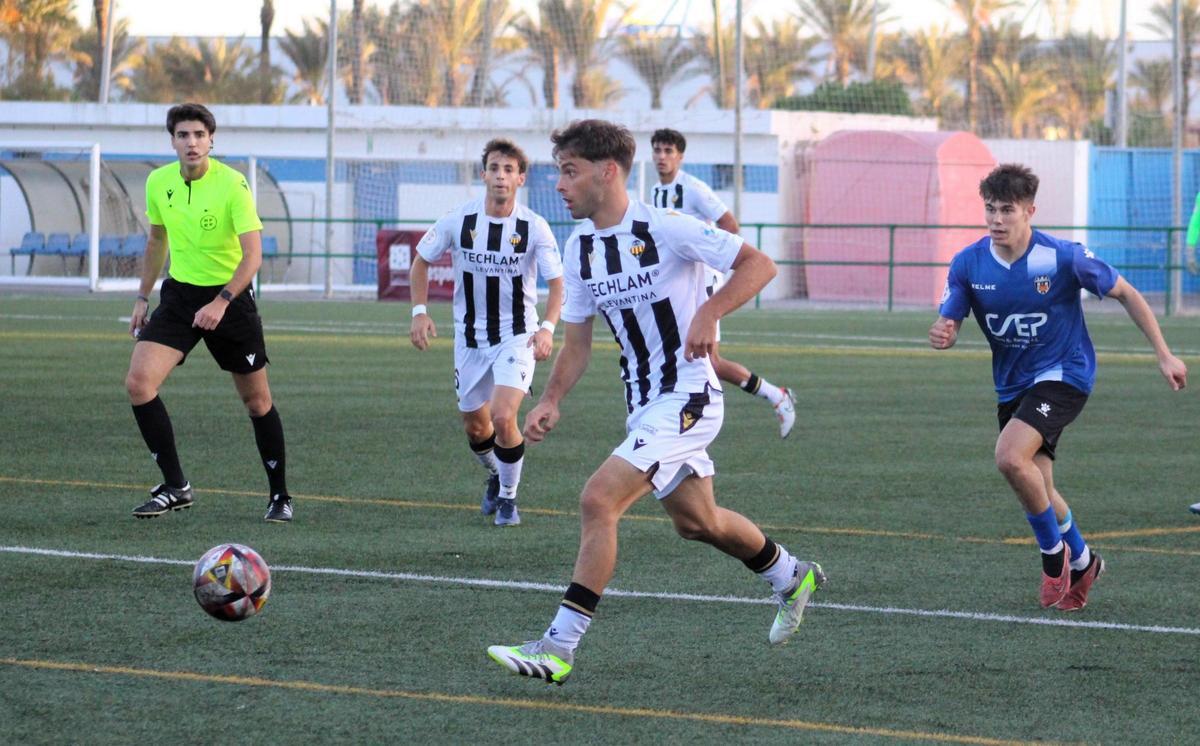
687 420
514 240
636 248
1042 283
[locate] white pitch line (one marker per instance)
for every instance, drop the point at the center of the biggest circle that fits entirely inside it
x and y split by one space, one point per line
555 588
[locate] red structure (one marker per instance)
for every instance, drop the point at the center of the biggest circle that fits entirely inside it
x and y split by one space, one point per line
395 251
873 177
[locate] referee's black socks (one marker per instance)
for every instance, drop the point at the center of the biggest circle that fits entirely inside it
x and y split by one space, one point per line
268 434
155 424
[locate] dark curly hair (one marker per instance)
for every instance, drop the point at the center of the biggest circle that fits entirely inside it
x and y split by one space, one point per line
1009 182
595 140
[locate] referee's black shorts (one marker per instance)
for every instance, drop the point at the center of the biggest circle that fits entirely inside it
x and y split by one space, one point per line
236 344
1047 407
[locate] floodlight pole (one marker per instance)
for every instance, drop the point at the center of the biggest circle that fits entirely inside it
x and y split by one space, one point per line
93 219
329 166
1175 255
1122 119
738 54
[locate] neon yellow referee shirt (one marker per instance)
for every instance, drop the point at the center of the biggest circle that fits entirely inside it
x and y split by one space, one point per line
203 219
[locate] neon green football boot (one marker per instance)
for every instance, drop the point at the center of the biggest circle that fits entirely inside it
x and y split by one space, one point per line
809 577
539 659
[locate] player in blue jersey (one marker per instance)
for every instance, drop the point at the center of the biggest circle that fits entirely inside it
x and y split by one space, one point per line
1023 287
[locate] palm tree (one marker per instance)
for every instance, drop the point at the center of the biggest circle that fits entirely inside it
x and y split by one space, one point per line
931 61
170 71
717 55
1016 77
1153 79
453 29
308 52
266 78
845 25
41 31
657 60
1189 28
1085 65
358 54
544 48
978 15
126 55
496 17
776 57
578 27
227 70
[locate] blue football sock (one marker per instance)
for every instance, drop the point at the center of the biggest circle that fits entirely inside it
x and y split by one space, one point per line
1080 555
1045 528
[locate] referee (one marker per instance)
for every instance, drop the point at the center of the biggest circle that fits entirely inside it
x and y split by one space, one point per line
204 210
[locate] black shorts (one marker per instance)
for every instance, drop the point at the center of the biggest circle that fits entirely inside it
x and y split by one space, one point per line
1047 407
236 344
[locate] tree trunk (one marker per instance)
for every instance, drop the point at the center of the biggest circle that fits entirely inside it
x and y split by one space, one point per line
719 83
550 76
483 66
266 18
100 8
356 34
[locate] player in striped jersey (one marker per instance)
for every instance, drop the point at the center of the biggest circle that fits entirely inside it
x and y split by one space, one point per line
643 271
499 247
682 192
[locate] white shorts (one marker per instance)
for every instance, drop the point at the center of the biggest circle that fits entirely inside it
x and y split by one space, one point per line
478 370
669 438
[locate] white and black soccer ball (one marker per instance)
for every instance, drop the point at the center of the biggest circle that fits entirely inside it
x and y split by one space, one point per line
231 582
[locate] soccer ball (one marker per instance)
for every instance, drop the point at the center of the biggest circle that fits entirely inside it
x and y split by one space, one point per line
231 582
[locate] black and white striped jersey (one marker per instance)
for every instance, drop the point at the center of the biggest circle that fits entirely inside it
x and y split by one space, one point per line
645 276
689 195
496 265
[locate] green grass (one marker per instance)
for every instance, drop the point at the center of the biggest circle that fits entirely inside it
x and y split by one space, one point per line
888 481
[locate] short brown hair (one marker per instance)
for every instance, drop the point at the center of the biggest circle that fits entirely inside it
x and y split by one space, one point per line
508 148
1009 182
668 136
596 140
191 113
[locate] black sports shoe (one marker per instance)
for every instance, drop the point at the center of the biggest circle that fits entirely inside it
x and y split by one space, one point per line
487 506
164 498
279 510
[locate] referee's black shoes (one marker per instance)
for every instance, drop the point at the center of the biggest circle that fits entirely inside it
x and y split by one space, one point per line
164 498
279 510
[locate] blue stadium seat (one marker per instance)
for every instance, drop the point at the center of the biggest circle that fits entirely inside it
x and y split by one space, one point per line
58 243
32 244
79 245
135 245
110 245
270 246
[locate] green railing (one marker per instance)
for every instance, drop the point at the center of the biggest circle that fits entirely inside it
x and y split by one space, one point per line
1172 272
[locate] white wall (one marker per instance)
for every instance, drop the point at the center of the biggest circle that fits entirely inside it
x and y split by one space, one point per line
388 133
1062 170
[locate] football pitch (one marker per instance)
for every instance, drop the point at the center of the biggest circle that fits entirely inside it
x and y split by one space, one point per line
389 586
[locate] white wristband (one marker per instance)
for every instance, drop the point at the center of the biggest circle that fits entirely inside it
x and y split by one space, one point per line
547 325
418 310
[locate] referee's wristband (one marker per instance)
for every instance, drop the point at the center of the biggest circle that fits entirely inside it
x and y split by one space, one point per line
418 310
547 325
143 299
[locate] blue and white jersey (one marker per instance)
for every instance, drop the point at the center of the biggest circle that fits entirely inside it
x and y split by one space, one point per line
1030 311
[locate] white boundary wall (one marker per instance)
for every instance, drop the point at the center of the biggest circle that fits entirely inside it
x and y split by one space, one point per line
771 138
